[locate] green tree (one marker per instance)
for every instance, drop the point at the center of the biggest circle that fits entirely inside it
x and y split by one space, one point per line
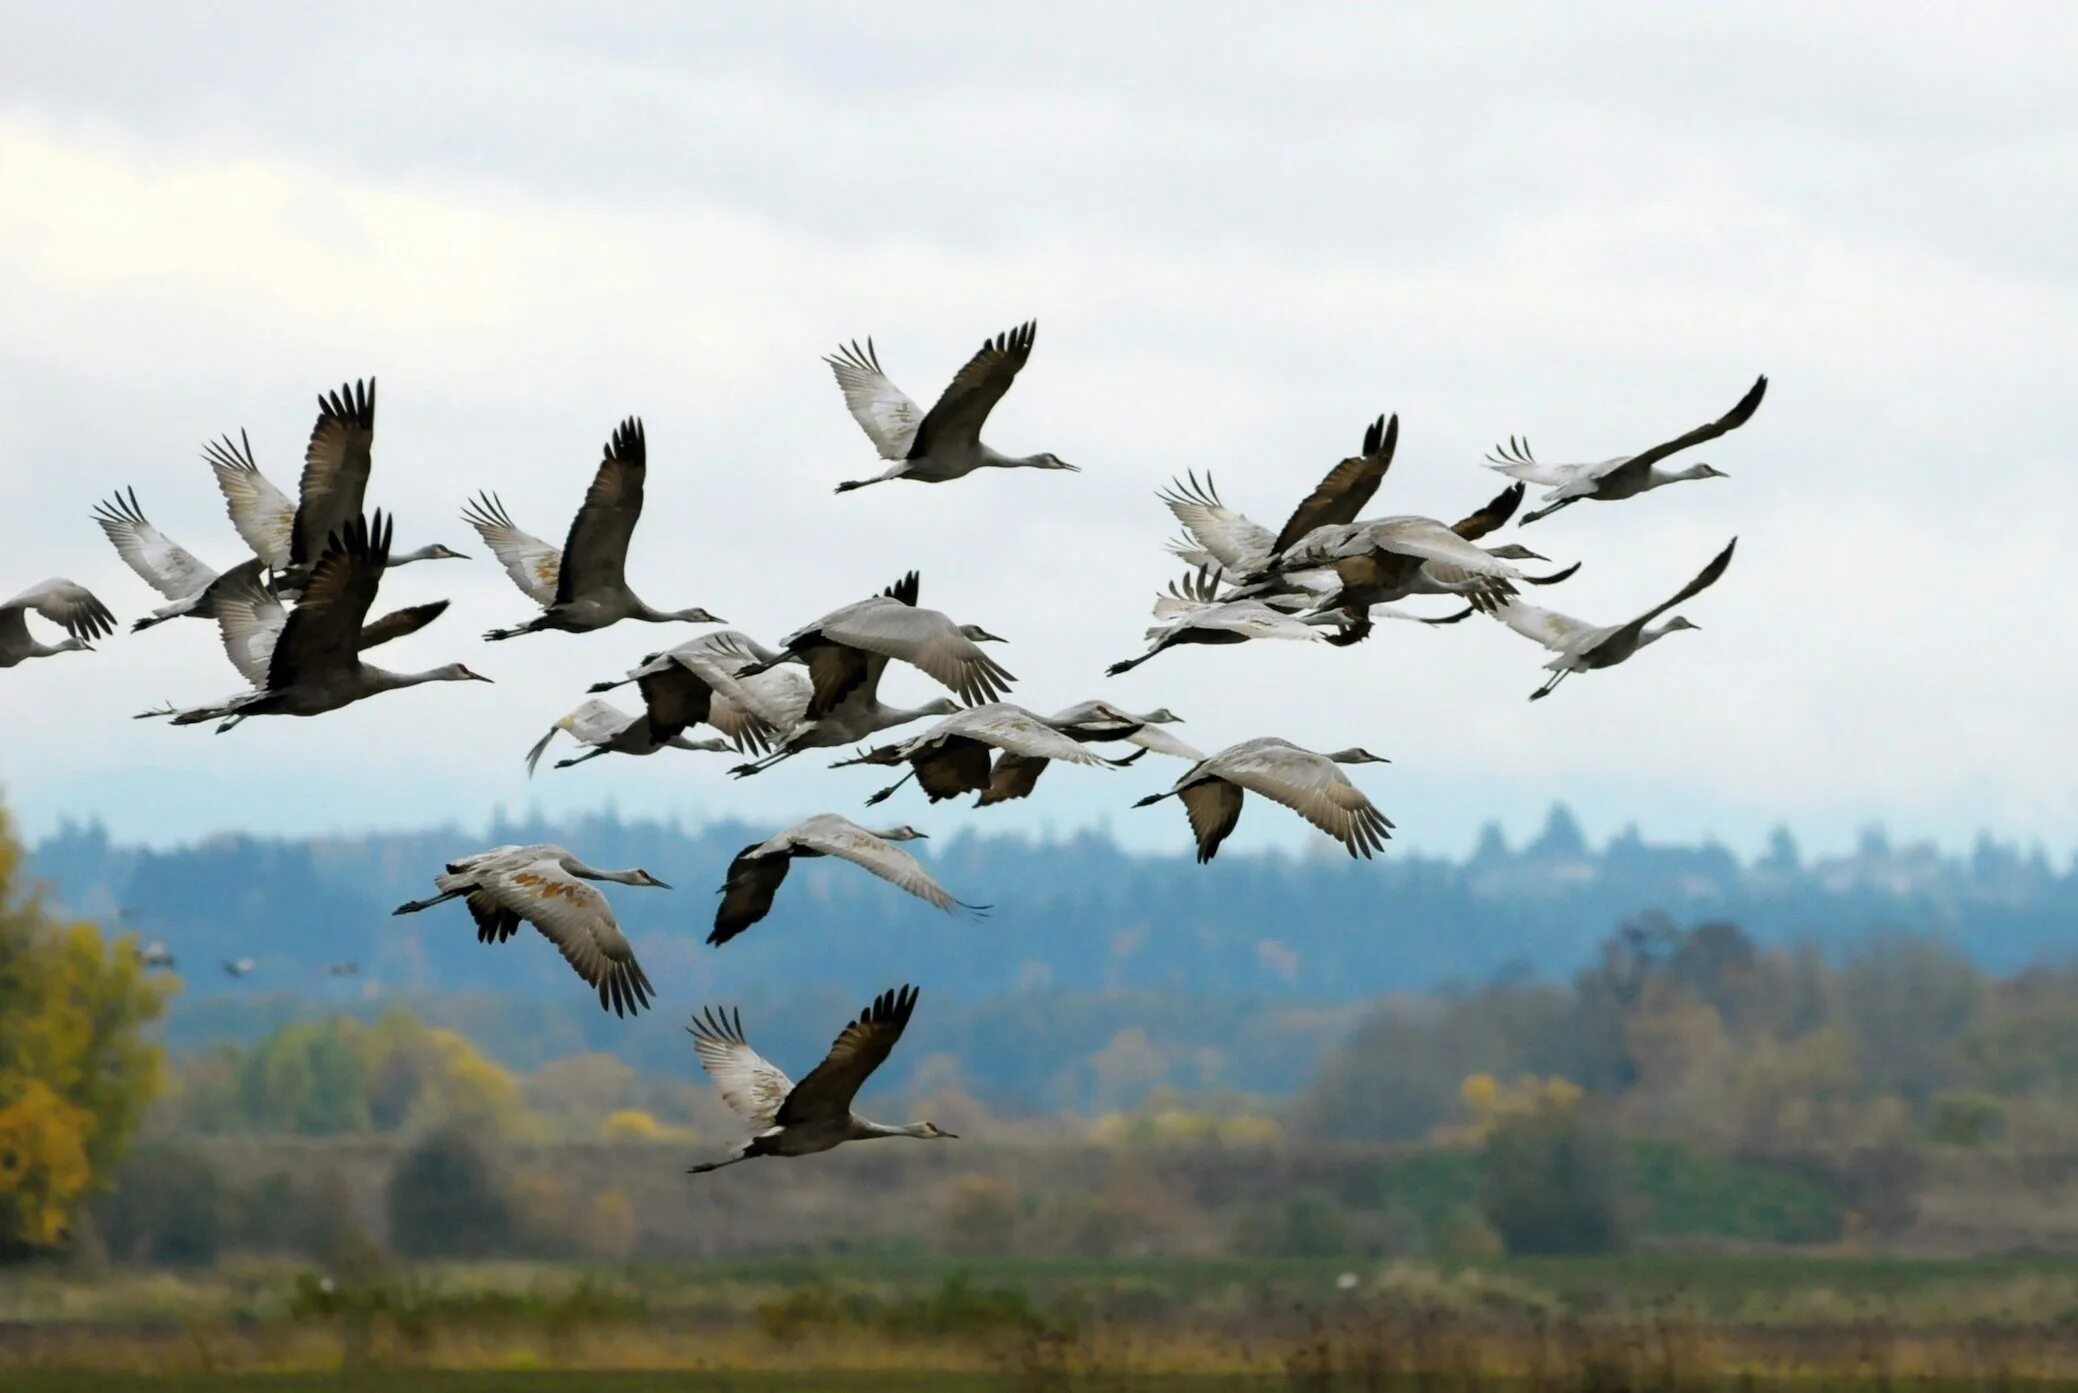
1550 1175
77 1068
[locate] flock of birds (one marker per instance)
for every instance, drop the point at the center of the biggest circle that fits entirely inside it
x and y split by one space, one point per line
294 621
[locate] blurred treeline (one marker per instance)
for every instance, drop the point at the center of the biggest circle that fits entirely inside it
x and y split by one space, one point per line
1690 1089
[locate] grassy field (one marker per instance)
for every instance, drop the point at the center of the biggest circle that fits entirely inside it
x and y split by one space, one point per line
873 1322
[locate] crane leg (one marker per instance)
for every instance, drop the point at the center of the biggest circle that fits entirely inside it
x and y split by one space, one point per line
889 791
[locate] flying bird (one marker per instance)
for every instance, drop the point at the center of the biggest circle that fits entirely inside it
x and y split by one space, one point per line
944 443
790 1119
156 954
1091 722
308 662
239 967
839 648
607 729
547 887
584 586
67 604
708 680
1624 476
1310 784
758 871
1584 647
952 757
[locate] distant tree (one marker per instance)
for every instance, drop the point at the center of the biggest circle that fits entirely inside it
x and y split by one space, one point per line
77 1068
447 1200
166 1207
1550 1169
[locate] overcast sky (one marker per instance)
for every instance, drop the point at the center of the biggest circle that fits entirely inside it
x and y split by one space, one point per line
1242 238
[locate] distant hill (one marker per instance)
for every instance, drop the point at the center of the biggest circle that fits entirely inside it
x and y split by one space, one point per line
1077 923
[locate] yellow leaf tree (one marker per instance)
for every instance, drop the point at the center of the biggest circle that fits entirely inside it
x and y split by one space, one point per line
77 1065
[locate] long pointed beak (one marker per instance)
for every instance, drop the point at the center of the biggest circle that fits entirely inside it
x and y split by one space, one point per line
656 884
1071 468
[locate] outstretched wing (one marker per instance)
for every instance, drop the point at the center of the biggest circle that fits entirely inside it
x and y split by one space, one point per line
401 623
883 410
923 638
575 917
1493 515
1314 787
974 391
1738 416
1213 806
1342 494
1231 538
164 565
750 1083
533 564
846 840
595 555
323 632
262 513
249 618
1705 578
67 604
747 893
335 468
860 1049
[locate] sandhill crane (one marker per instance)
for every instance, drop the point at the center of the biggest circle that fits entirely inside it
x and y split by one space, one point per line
706 680
343 970
952 757
336 462
67 604
1309 784
758 871
842 647
944 443
858 715
1236 543
1197 615
250 618
609 730
163 564
545 886
156 954
1229 546
1015 775
1624 476
585 585
1583 647
240 967
800 1119
312 658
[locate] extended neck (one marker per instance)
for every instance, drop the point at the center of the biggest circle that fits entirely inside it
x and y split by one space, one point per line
422 554
1675 476
865 1129
580 869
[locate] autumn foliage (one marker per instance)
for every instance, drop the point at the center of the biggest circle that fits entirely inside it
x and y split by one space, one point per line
77 1066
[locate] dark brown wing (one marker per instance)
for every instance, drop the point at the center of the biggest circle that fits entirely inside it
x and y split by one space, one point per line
747 892
494 923
335 468
1342 494
1491 517
1015 776
1705 578
323 632
974 391
958 765
834 673
1730 421
906 589
400 622
595 555
675 697
860 1049
1214 806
